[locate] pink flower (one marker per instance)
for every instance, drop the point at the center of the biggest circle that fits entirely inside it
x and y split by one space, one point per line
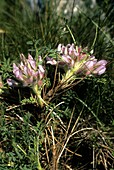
17 72
32 62
41 71
68 56
51 61
100 67
27 71
12 83
77 60
89 65
94 67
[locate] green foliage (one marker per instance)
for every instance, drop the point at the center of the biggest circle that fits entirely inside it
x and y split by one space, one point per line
20 142
5 68
76 119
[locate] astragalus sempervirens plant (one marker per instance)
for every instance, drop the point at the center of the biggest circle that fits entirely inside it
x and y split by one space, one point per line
75 61
30 73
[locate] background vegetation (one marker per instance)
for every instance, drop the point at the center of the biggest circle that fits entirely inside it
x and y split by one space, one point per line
77 131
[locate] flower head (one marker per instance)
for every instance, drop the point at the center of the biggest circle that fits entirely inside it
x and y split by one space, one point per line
28 72
95 67
75 60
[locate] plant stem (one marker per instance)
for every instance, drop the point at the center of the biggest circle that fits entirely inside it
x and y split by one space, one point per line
37 91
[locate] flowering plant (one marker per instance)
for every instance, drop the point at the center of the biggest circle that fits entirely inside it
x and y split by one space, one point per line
29 73
75 61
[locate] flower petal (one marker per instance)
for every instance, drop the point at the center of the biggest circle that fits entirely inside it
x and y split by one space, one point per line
32 62
51 61
12 83
102 62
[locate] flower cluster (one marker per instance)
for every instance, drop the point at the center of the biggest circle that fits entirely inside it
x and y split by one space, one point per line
74 60
77 60
28 71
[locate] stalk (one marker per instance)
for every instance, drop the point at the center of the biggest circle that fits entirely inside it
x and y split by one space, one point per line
37 91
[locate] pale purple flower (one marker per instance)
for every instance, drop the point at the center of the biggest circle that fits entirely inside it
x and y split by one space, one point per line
89 65
72 51
25 70
77 61
101 62
94 67
40 59
99 70
12 82
100 67
61 48
41 71
51 61
68 56
32 62
17 72
67 59
28 72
